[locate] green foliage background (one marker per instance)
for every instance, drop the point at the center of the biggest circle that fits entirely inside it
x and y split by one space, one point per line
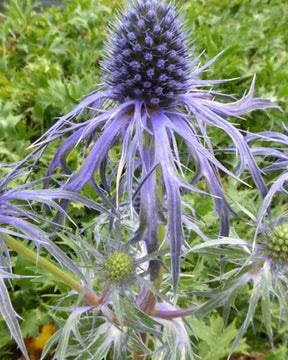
49 59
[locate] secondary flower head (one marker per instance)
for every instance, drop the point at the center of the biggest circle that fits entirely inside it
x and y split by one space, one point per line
147 56
118 266
277 243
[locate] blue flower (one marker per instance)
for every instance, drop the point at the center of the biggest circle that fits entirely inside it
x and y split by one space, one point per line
135 74
152 95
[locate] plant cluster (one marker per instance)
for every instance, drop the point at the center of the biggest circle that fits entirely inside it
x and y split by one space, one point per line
107 204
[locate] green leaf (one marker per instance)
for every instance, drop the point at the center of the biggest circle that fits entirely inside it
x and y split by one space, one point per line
214 341
33 319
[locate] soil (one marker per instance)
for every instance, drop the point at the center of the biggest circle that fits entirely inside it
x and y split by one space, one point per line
253 356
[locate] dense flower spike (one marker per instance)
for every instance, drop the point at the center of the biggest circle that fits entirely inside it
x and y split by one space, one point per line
147 57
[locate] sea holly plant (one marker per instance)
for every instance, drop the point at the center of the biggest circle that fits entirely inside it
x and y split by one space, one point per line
153 96
144 142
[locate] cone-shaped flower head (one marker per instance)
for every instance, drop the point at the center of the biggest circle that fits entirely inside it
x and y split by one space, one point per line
147 57
118 267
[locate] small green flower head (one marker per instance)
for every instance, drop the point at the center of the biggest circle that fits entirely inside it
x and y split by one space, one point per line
118 267
278 242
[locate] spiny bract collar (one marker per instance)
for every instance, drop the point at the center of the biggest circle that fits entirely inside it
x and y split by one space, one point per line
147 56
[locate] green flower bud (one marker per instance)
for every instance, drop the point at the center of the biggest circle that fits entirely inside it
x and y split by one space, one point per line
118 267
278 242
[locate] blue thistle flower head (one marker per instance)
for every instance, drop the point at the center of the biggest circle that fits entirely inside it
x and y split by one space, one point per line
147 56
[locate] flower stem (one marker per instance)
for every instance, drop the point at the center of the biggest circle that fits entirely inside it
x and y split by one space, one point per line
140 355
43 263
148 304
